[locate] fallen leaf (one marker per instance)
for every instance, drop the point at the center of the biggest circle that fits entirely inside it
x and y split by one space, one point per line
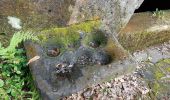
33 59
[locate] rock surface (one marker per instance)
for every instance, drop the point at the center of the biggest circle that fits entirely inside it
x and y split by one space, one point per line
150 81
143 28
72 76
114 15
54 84
39 14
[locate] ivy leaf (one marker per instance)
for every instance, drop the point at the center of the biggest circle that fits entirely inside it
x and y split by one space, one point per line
1 83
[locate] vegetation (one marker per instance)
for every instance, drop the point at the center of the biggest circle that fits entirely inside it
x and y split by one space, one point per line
158 13
15 81
67 35
142 40
97 37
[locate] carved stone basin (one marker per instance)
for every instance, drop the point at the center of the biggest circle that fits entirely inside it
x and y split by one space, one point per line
81 41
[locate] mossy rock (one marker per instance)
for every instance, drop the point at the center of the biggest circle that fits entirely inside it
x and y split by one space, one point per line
95 39
159 85
145 30
67 37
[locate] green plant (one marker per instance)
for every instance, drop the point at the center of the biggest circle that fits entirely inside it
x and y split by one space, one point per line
15 81
159 14
16 39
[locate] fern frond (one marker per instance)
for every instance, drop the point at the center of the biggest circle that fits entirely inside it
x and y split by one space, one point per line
17 38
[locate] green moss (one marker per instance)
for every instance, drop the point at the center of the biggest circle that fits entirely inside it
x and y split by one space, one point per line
165 64
159 67
142 40
66 36
168 69
156 88
97 37
159 70
166 61
159 74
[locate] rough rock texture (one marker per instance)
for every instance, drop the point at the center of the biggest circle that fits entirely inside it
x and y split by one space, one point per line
145 27
54 84
46 13
81 72
83 77
114 14
150 81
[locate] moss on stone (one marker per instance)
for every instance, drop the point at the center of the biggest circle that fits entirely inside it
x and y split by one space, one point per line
168 69
159 71
97 37
66 36
158 74
156 87
166 61
165 64
142 40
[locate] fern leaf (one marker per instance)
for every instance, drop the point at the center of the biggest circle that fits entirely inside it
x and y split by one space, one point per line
15 41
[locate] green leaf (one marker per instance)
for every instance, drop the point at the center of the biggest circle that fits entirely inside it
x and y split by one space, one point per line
18 72
13 92
1 83
8 90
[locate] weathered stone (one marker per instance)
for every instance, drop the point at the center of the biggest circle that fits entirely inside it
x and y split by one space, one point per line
114 14
150 81
159 80
56 83
156 70
144 30
53 76
83 73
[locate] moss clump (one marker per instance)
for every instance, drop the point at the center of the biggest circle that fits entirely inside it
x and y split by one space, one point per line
166 61
159 84
66 36
156 87
96 37
164 64
159 74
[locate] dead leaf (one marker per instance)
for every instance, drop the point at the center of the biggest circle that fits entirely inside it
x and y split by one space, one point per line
33 59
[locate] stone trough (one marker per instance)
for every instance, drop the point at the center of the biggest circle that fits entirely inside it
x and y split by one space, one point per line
83 42
52 86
